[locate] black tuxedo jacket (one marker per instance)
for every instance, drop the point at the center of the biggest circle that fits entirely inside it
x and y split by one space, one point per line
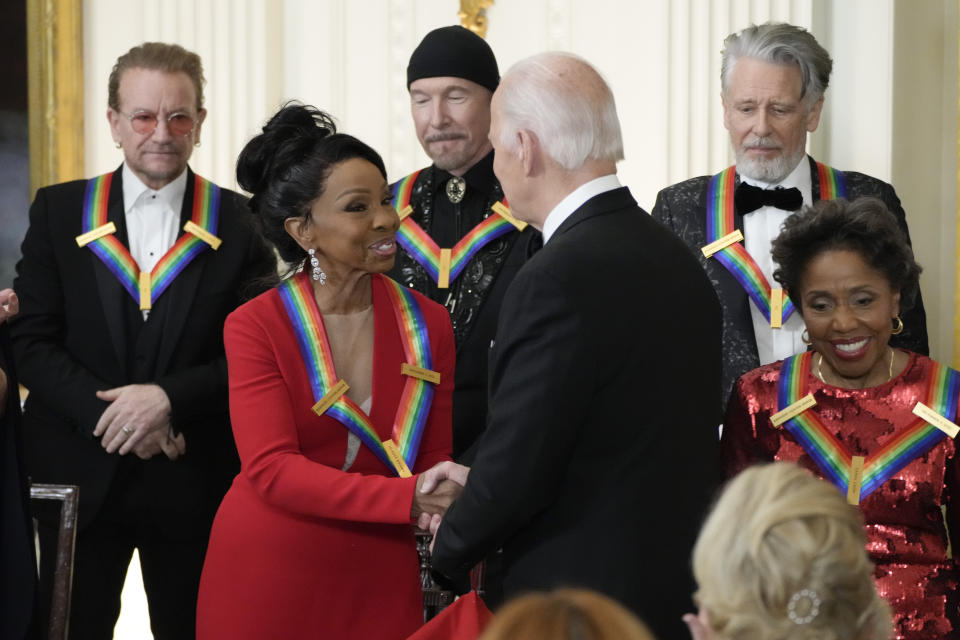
18 577
601 452
79 331
683 208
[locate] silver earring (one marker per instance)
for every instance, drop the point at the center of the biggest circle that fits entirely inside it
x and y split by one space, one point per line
119 146
318 273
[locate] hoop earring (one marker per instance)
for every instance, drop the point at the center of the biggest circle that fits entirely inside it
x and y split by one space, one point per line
805 336
119 146
898 327
318 273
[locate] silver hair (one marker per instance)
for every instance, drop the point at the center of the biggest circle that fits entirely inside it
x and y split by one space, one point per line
783 44
573 115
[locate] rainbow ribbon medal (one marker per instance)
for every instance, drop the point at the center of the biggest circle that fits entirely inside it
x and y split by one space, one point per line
145 288
400 452
445 265
733 255
833 458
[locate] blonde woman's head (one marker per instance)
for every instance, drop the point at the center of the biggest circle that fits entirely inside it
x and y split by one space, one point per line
782 557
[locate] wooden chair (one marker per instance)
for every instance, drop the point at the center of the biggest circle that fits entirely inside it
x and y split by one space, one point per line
59 624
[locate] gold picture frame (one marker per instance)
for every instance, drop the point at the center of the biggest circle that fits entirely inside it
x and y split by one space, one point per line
55 91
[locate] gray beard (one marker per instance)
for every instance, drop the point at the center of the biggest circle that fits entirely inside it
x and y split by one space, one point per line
769 171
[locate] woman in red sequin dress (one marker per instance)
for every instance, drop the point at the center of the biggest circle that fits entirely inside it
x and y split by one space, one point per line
850 272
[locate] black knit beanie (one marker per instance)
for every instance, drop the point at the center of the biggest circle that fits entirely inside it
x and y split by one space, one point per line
456 52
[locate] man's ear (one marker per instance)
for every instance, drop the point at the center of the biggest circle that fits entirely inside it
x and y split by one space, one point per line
528 147
113 118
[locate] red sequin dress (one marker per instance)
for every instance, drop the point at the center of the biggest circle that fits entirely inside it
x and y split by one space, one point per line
907 539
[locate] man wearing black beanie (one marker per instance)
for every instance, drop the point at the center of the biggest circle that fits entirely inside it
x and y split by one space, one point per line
451 78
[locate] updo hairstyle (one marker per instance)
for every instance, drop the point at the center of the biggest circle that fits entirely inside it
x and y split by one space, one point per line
864 226
782 557
286 167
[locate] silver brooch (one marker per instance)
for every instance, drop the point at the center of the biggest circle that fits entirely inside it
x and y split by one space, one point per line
456 189
813 610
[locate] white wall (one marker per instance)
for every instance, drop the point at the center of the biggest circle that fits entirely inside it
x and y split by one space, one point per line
661 58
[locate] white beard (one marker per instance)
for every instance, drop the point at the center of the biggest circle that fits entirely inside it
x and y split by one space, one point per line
770 171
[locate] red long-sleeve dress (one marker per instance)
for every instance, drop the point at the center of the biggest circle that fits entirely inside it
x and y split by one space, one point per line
299 548
907 539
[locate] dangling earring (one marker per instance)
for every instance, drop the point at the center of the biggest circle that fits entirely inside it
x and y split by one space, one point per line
318 273
898 327
805 336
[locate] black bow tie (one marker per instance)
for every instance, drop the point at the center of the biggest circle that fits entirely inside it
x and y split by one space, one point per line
749 198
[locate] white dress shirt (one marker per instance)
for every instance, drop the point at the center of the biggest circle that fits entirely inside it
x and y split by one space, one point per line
575 200
153 218
760 227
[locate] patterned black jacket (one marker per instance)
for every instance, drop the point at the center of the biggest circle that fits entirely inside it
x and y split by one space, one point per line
682 207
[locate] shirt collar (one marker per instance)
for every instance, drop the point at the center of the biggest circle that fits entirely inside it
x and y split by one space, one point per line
575 200
171 194
479 177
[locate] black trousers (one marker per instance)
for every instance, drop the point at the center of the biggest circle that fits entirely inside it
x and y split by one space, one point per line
171 559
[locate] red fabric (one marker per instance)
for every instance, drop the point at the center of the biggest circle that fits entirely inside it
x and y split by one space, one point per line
906 537
300 548
465 619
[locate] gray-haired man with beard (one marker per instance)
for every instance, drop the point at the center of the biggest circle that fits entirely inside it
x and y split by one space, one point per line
773 78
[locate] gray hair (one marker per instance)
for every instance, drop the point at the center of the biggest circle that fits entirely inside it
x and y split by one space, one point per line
566 103
782 44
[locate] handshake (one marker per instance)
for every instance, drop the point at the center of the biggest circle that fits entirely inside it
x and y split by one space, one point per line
437 488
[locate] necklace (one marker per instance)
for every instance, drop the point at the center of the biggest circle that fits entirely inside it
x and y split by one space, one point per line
820 367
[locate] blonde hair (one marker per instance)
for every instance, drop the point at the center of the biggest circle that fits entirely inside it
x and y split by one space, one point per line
565 614
776 531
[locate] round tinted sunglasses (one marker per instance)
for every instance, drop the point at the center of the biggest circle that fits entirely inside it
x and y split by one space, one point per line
144 122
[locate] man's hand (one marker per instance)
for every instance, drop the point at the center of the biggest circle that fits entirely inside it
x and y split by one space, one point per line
443 471
161 442
435 502
135 411
9 304
433 487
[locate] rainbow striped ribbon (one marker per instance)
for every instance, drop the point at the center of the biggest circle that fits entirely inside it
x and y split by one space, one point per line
417 396
427 253
117 258
720 223
833 458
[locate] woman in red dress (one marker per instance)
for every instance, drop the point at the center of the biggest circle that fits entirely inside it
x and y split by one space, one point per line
315 537
847 409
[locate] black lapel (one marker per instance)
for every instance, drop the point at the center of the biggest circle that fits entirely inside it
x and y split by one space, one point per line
113 296
179 296
814 180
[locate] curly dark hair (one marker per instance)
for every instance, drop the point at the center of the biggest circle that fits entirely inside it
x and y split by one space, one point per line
864 226
286 167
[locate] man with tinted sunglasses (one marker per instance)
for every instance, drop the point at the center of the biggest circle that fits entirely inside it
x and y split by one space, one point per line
124 285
